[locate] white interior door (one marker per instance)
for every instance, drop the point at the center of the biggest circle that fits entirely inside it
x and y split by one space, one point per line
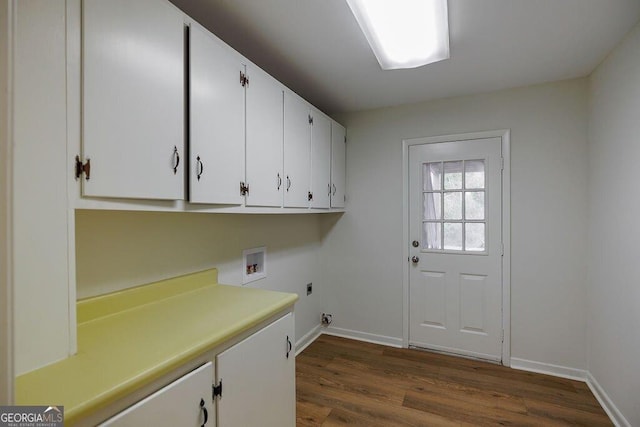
455 246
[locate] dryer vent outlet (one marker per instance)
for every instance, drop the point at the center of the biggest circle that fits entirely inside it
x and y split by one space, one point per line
326 319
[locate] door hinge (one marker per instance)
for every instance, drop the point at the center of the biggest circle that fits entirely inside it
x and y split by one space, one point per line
216 390
501 249
244 80
244 189
83 168
501 163
310 119
502 341
310 196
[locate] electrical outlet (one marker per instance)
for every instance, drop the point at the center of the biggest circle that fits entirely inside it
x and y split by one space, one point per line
309 288
326 319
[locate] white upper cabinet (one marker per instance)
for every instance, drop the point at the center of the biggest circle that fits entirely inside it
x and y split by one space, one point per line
338 165
216 137
133 99
320 160
264 127
297 150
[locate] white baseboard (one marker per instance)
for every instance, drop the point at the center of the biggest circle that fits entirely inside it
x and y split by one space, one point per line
549 369
607 404
363 336
307 339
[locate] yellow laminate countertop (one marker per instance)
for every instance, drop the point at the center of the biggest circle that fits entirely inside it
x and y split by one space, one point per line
128 339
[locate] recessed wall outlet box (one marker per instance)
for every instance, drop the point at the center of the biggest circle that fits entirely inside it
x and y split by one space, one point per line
326 319
254 264
309 288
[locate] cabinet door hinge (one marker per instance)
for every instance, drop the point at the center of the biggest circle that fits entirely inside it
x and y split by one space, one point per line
216 390
244 189
83 168
310 196
244 80
310 119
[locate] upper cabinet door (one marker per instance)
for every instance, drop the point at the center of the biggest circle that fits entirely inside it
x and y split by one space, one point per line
320 160
133 99
297 150
216 138
338 165
264 139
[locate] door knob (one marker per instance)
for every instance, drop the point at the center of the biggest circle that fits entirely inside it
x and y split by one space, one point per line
415 259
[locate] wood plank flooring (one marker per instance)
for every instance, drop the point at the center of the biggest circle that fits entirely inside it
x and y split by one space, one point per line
344 382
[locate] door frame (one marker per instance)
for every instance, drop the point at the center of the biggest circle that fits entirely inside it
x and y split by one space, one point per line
504 135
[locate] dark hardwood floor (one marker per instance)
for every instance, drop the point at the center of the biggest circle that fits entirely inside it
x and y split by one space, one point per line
346 382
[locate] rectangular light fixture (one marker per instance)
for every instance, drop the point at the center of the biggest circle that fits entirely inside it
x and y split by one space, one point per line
404 33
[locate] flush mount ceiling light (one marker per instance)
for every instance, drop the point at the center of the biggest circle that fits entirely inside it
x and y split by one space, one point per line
404 33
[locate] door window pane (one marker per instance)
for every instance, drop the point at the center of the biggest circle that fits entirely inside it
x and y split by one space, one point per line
474 237
474 205
474 173
453 236
453 205
452 175
432 176
432 235
432 206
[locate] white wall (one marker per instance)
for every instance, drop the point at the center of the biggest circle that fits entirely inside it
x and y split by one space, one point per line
40 205
363 251
118 249
6 282
614 233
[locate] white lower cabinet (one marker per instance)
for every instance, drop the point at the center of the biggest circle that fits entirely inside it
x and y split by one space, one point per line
185 402
258 379
254 386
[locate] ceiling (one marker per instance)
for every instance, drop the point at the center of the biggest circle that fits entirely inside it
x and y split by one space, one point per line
316 48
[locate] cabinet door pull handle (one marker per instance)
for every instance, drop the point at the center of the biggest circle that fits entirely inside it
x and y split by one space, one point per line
289 346
279 181
204 410
288 183
200 167
334 189
176 157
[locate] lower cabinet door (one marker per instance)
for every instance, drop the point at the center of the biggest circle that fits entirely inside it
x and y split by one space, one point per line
258 378
185 402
